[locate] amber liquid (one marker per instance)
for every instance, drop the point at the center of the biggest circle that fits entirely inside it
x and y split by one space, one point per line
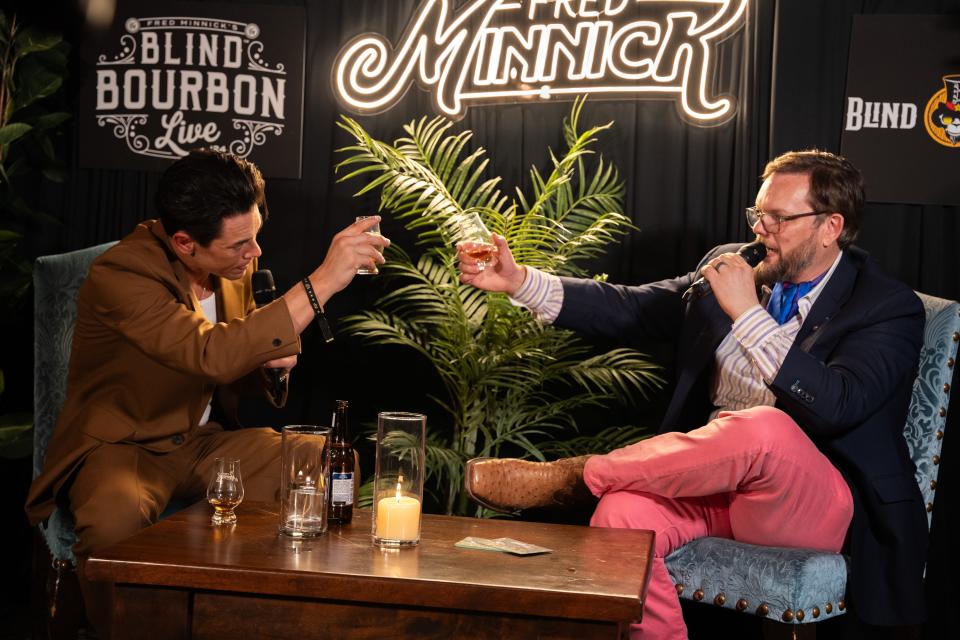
479 251
224 504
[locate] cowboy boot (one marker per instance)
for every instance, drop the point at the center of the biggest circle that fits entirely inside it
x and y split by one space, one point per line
510 484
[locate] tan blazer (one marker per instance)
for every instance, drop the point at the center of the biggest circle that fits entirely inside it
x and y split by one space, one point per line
145 361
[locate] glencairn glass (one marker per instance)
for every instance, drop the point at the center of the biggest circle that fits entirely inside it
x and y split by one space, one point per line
474 239
225 490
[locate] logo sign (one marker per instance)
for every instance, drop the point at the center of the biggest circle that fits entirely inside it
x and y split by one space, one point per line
901 124
495 51
941 117
164 82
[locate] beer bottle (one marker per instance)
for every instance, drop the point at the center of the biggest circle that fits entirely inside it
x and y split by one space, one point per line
341 467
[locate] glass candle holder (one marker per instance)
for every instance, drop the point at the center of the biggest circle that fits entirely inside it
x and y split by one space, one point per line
304 480
398 480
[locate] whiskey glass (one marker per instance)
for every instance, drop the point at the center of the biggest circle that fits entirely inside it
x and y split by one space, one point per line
474 239
225 490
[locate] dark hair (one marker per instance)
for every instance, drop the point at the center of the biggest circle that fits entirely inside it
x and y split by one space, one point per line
199 190
835 185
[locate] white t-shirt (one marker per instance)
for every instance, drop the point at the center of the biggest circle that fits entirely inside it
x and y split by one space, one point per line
209 307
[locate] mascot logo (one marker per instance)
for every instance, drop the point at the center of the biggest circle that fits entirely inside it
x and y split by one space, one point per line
942 115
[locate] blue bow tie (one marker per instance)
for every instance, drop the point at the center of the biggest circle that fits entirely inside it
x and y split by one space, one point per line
784 300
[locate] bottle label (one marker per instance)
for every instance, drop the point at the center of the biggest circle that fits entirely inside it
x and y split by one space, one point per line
342 488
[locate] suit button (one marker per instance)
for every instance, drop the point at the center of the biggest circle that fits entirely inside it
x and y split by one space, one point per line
177 439
277 342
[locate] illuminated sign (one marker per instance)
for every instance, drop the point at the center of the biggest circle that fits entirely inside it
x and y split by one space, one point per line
509 50
202 75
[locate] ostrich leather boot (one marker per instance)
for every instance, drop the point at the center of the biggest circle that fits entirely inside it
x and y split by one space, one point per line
510 484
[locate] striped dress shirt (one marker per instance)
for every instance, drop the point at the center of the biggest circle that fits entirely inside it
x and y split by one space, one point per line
747 359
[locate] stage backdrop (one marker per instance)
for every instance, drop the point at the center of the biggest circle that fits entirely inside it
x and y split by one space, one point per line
687 185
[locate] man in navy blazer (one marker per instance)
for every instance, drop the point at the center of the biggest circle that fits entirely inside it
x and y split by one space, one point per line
785 424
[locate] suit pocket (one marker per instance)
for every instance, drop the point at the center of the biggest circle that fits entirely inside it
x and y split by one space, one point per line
107 426
897 487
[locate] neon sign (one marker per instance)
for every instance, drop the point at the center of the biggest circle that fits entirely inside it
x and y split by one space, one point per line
511 50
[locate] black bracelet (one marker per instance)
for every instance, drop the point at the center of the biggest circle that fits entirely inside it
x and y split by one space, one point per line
317 311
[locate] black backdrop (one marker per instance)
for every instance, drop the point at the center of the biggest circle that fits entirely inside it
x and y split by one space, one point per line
686 186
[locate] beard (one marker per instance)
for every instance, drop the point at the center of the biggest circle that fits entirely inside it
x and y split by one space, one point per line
789 266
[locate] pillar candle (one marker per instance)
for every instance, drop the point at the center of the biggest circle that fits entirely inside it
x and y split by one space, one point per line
398 518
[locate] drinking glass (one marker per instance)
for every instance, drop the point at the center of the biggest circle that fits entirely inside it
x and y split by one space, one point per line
368 270
474 239
304 480
225 490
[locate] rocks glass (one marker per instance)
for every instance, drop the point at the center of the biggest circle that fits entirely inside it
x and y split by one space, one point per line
398 481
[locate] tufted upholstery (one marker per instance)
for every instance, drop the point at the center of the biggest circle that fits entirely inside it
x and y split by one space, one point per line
56 281
799 585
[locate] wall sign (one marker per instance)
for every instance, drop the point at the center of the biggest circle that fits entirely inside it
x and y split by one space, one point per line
494 51
189 75
901 121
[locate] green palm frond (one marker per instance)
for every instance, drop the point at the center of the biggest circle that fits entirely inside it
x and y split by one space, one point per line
603 442
621 371
510 385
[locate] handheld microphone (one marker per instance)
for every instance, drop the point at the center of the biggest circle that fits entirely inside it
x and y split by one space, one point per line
265 292
752 253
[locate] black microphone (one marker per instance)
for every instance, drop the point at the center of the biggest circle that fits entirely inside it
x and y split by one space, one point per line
265 292
753 253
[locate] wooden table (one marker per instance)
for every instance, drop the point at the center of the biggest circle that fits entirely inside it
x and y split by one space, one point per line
185 578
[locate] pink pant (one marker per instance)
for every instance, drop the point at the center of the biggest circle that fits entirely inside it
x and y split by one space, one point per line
749 475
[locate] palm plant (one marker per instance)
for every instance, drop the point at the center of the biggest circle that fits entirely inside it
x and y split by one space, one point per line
33 66
512 385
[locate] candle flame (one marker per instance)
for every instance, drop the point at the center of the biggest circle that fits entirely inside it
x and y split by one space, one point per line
399 482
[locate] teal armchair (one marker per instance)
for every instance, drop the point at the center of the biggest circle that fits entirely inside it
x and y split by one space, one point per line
801 586
56 281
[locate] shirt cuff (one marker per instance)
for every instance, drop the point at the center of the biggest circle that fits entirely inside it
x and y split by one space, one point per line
541 293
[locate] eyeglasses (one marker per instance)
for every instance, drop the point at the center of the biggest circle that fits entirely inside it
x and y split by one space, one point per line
771 221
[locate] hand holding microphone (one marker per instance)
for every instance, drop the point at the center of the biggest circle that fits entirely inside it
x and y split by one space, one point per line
752 254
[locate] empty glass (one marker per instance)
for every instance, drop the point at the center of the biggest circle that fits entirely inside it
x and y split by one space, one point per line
368 270
225 490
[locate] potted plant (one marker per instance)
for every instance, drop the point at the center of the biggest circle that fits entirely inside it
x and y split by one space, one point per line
33 65
512 386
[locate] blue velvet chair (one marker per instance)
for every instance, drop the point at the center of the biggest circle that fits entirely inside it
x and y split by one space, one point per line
800 586
56 281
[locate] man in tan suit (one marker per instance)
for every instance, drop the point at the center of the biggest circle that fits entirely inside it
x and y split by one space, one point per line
166 321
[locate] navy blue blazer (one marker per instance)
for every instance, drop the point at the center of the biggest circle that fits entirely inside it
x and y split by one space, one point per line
846 382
